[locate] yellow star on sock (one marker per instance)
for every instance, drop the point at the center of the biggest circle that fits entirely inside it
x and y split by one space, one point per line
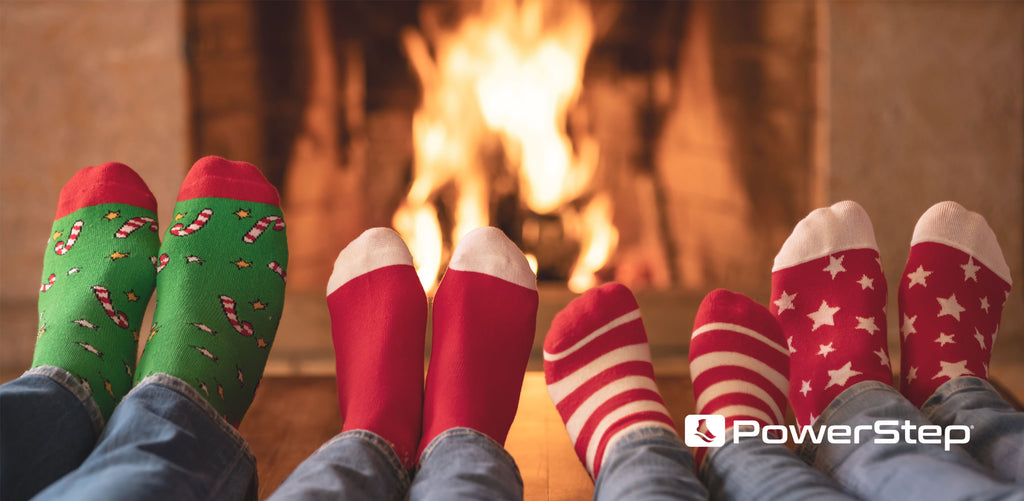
258 305
178 216
261 343
114 214
131 296
118 255
242 213
241 263
57 235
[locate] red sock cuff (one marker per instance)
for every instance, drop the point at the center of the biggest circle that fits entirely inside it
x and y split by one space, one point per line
108 183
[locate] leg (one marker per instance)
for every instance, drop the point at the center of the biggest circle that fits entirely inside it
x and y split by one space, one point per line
597 364
49 424
485 314
164 441
955 284
378 324
739 364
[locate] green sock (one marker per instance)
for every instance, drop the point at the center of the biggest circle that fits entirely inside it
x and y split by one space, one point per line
97 278
220 285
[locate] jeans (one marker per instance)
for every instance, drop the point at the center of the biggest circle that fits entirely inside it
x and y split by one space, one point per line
904 470
163 441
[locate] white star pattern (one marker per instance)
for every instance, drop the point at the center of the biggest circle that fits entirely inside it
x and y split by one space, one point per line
984 304
908 326
945 339
789 343
912 374
983 364
866 283
953 370
805 386
835 265
785 302
970 269
825 349
867 324
980 337
824 315
950 306
841 375
918 277
883 358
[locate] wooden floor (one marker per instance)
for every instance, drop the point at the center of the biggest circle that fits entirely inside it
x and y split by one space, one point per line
291 418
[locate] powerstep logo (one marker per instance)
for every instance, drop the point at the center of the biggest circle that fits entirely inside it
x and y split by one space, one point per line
708 430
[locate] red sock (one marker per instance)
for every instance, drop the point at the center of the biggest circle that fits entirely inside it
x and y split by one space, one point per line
485 314
828 292
739 362
951 297
378 322
597 365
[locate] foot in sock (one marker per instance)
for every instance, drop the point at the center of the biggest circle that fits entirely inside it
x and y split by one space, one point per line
951 298
220 283
97 279
378 323
739 361
597 365
829 294
484 319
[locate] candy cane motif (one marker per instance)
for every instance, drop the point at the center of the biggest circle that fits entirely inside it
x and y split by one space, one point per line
49 283
62 248
133 224
161 262
180 230
103 295
261 226
276 268
244 328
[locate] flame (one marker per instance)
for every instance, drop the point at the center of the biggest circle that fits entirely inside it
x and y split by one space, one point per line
510 72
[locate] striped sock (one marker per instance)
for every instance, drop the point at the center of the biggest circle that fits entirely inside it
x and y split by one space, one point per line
597 365
739 363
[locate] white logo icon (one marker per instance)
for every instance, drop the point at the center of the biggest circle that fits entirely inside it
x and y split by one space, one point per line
704 430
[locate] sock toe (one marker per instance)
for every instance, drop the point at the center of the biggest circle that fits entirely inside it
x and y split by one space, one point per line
589 316
487 250
373 249
843 226
217 177
951 224
111 182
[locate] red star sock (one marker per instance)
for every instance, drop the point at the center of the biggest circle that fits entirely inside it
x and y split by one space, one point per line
951 297
829 293
485 314
597 365
378 323
739 362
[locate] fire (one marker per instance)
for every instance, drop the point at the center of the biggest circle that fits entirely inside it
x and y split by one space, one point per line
508 72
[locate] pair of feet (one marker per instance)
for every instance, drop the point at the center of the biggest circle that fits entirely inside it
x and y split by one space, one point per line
826 331
483 324
220 272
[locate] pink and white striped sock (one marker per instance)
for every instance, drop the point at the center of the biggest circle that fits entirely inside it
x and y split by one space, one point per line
597 365
951 299
739 363
378 324
485 318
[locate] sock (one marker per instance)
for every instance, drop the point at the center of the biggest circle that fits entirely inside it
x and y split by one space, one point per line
97 279
951 298
378 323
597 365
484 319
829 294
739 361
220 283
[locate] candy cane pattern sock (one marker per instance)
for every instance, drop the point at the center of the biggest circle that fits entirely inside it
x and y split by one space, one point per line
951 299
378 323
220 285
829 294
97 279
484 319
739 361
597 365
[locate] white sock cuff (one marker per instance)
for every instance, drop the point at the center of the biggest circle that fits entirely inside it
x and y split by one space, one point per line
375 248
843 226
487 250
951 224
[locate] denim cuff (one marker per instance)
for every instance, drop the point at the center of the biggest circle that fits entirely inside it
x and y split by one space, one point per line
951 389
71 383
382 446
848 397
646 433
192 395
484 441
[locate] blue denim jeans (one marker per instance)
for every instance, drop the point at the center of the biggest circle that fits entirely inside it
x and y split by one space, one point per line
903 470
163 441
